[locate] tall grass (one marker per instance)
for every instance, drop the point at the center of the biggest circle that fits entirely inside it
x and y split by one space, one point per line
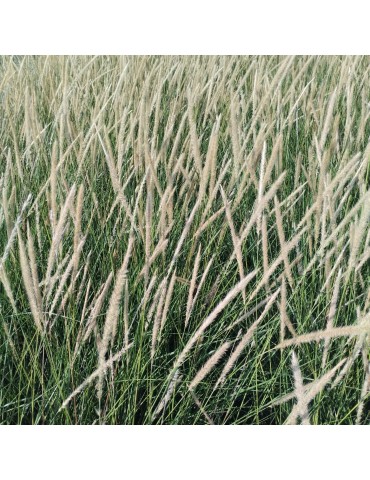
184 240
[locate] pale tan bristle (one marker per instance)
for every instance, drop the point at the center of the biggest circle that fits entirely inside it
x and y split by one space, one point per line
209 365
192 286
331 315
244 341
28 283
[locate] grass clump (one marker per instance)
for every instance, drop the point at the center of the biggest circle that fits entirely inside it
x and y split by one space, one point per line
184 240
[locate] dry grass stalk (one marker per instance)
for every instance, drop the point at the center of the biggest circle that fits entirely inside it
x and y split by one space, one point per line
158 316
264 244
167 397
250 312
208 222
148 218
213 194
212 317
54 278
280 229
235 142
14 232
260 206
245 340
209 365
148 291
28 283
288 247
102 368
235 239
291 395
328 118
95 311
331 315
111 318
160 248
335 266
5 211
125 313
284 318
209 171
33 267
115 179
193 135
364 392
201 283
7 287
276 152
299 392
261 184
167 301
364 260
63 280
192 287
358 347
77 232
154 303
317 387
201 408
58 234
360 230
9 338
53 188
184 234
337 232
335 332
